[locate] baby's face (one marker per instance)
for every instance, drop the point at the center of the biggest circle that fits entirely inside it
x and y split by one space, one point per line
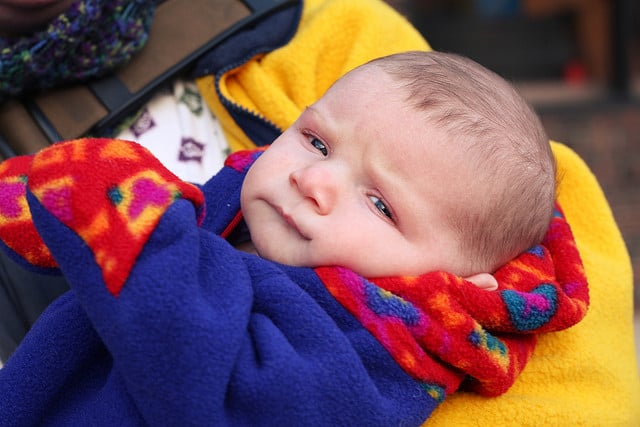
358 181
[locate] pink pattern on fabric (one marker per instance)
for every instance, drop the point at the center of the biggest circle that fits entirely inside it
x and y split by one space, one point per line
145 193
241 161
535 302
56 201
11 194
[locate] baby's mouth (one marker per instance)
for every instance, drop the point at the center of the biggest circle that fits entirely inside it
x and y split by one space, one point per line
291 222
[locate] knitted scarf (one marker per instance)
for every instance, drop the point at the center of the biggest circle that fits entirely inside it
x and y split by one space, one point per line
89 39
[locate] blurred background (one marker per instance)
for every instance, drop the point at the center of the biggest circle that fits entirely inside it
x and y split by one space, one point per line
577 62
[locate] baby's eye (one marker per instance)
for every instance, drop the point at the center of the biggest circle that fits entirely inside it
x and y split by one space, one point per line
318 145
380 205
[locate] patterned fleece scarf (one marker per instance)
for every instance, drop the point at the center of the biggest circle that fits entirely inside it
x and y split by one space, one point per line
447 333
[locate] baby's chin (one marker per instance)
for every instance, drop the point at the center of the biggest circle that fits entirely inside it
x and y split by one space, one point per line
281 245
276 253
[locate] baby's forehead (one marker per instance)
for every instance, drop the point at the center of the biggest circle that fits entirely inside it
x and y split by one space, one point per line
370 78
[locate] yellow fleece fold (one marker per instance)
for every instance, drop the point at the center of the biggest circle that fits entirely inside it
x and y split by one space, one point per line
586 375
333 37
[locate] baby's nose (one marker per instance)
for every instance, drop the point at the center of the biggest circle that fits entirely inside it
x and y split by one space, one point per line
318 185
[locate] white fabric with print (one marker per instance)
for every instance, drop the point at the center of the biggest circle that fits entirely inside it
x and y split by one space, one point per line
180 130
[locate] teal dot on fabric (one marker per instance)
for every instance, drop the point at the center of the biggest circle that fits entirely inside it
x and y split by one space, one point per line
115 195
531 310
435 391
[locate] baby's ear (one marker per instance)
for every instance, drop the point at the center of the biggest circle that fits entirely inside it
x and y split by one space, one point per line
484 281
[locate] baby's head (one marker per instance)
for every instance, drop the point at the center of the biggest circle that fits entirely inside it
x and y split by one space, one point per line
411 163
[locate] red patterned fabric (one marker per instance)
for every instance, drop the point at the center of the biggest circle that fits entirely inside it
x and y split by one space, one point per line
443 330
121 205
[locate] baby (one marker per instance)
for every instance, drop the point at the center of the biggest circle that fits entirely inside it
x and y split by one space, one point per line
412 173
429 161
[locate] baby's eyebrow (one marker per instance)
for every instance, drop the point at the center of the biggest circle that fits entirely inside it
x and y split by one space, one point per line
311 109
308 113
320 122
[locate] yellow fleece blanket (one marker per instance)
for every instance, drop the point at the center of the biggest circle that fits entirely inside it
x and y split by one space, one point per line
586 375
